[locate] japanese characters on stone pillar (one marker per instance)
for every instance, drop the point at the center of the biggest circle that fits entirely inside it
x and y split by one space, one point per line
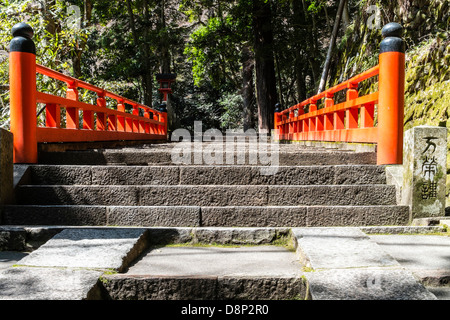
425 167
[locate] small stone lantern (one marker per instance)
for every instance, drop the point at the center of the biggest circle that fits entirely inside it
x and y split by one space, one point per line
165 81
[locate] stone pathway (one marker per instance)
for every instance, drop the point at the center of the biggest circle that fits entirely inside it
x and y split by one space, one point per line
239 263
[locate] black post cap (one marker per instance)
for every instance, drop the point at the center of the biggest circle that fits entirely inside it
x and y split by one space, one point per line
22 30
22 41
162 107
392 29
277 107
392 42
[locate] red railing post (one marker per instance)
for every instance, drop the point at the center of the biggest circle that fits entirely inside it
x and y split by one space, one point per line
391 95
328 118
312 121
121 126
52 115
351 115
101 116
22 73
72 114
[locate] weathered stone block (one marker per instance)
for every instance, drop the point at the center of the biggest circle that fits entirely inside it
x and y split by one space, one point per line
154 216
253 216
124 287
424 174
55 215
339 195
79 195
261 288
236 235
325 216
202 195
62 175
131 175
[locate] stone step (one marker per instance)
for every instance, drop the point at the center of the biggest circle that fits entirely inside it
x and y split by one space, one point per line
206 175
165 157
212 264
193 216
69 266
212 195
345 264
211 273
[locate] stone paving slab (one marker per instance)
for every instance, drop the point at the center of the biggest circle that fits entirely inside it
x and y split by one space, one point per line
24 283
425 252
101 248
69 265
348 265
351 265
333 248
366 284
427 256
250 261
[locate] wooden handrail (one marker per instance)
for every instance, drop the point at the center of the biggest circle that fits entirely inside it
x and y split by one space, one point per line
99 123
75 83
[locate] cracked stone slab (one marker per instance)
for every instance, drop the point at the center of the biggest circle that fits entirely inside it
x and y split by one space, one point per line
335 248
366 284
25 283
90 248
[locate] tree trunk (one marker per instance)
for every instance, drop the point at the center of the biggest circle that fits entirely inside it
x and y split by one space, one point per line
311 42
264 65
326 66
300 60
300 80
346 15
81 45
248 94
279 80
164 62
146 76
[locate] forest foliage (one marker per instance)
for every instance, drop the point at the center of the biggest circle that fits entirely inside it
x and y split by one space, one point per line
234 59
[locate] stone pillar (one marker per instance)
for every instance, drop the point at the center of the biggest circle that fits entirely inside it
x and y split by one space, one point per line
424 173
6 167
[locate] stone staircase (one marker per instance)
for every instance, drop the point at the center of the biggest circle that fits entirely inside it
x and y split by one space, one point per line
130 223
143 187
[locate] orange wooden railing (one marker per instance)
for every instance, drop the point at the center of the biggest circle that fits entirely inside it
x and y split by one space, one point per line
98 123
353 119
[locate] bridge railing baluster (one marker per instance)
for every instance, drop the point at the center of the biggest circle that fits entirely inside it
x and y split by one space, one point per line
353 120
99 123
